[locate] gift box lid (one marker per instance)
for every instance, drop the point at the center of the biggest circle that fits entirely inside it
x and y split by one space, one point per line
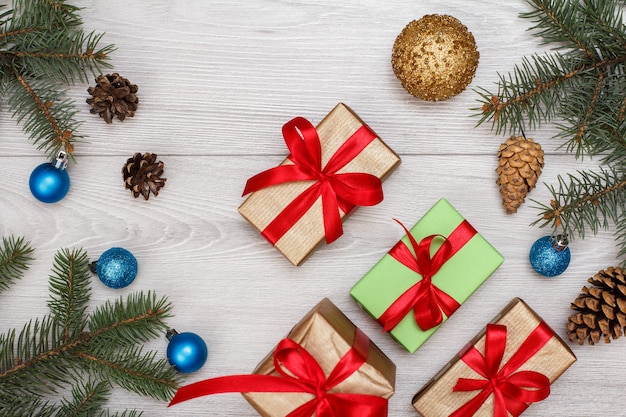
459 277
436 398
262 206
327 334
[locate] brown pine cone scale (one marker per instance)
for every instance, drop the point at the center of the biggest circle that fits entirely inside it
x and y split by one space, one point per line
142 175
113 96
600 309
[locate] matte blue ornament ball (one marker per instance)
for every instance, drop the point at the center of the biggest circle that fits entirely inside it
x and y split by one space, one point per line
49 184
186 351
116 268
550 256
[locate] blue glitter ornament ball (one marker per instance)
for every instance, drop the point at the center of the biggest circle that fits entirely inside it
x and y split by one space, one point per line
550 256
186 351
116 268
49 184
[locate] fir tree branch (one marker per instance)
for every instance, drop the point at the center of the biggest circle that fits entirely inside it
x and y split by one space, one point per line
26 407
534 91
554 19
591 200
125 413
35 358
63 55
47 116
14 260
41 46
139 319
70 291
46 13
134 370
88 398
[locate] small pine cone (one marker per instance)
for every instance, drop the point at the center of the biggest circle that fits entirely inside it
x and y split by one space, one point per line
142 175
113 96
519 166
601 309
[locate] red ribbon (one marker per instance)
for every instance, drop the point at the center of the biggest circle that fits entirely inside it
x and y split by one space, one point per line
426 299
512 391
338 191
300 372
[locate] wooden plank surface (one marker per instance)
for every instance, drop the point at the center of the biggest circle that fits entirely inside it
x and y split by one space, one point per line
217 80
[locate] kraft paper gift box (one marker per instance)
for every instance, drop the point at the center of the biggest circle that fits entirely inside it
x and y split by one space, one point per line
297 232
351 372
391 283
523 351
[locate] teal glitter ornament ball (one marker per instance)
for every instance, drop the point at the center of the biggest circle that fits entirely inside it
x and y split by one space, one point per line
116 268
186 351
49 184
550 256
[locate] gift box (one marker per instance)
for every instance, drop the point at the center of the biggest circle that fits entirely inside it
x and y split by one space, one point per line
330 170
325 363
427 275
524 357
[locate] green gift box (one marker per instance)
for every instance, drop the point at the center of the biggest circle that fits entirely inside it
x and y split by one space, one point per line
465 262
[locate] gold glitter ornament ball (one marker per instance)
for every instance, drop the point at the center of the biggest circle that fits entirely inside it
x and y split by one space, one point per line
435 57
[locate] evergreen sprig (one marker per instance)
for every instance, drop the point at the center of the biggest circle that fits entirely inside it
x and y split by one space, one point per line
43 49
72 352
582 89
14 260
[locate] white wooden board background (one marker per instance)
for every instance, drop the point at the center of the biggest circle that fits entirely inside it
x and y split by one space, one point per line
217 80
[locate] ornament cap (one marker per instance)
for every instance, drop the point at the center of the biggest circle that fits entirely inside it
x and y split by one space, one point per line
171 333
61 160
559 242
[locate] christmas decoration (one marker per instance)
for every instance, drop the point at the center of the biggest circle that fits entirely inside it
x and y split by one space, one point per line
80 352
519 166
281 205
306 377
44 49
142 175
186 351
581 86
411 292
600 309
502 371
116 268
48 182
435 57
113 96
550 256
14 258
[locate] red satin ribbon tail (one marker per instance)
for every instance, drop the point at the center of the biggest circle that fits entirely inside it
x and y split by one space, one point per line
399 308
236 383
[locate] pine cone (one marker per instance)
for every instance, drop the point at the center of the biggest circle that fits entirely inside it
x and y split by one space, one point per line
519 167
142 175
113 96
601 309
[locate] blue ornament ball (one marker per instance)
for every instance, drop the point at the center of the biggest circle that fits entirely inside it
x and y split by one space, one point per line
548 257
186 351
49 184
116 268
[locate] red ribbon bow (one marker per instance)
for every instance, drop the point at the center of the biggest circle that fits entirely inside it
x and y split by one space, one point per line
426 299
338 191
512 390
300 372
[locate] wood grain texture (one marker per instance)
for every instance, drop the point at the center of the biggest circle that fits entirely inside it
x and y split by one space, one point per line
217 80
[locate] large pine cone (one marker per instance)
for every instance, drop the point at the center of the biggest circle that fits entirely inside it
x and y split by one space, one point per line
519 166
113 96
142 175
601 309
